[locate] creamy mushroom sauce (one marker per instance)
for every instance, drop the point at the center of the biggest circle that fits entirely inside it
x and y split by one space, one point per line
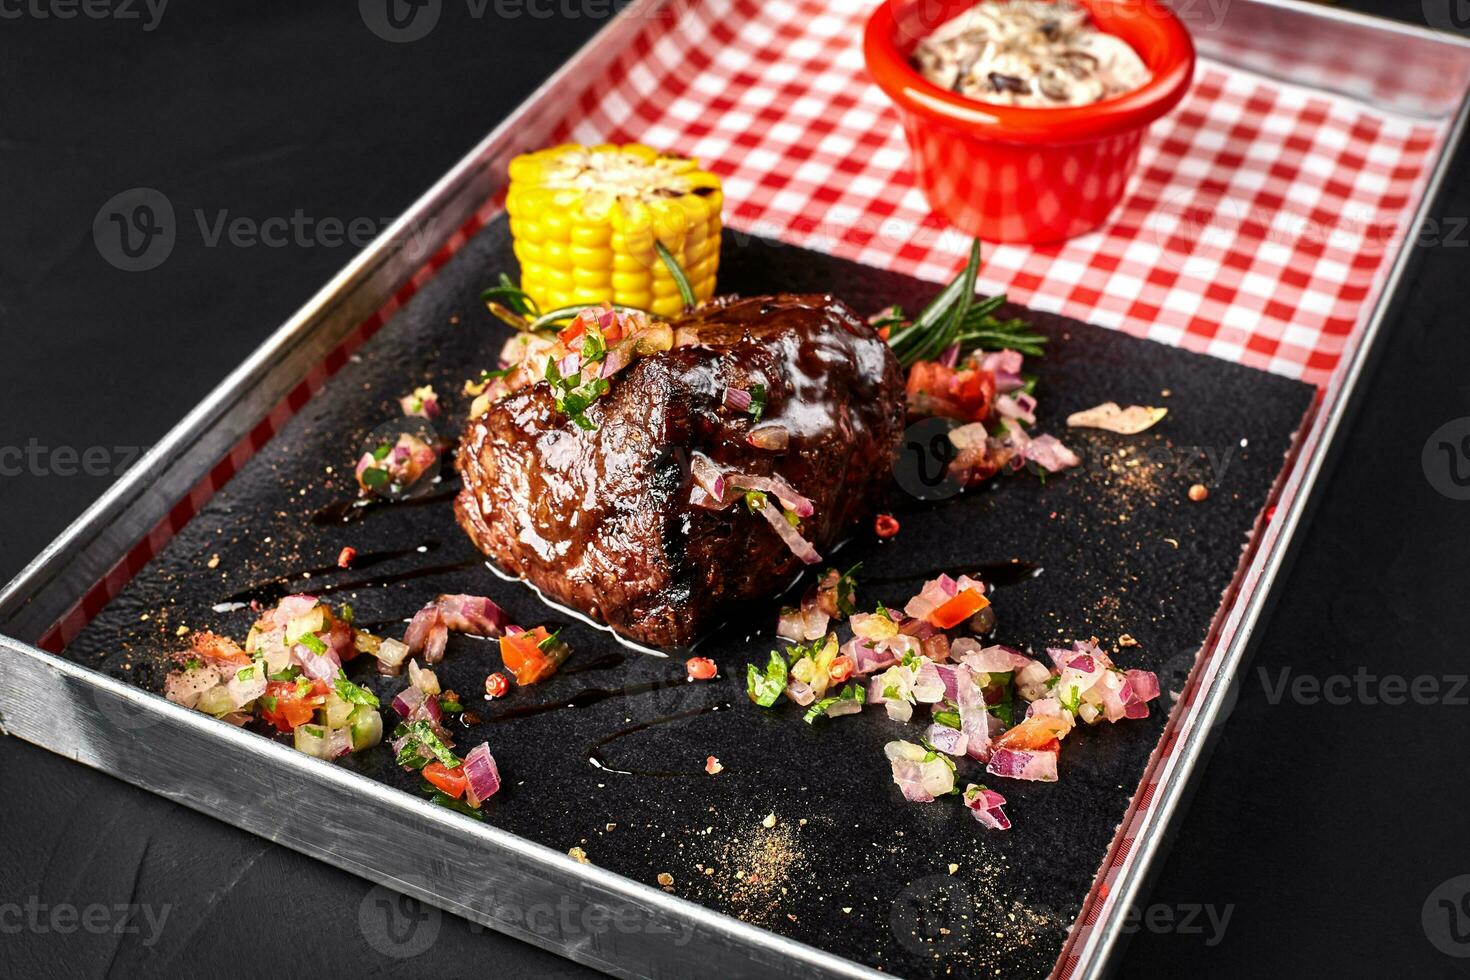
1029 53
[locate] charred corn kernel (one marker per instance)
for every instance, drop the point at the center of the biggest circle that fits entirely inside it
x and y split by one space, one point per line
584 221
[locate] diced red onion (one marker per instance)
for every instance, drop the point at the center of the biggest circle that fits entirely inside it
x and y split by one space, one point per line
776 487
867 656
736 399
1015 408
921 782
475 615
986 805
800 692
293 606
950 741
482 776
1145 684
845 706
1007 361
408 701
1007 381
709 478
391 655
321 666
928 686
799 545
1023 764
950 356
183 687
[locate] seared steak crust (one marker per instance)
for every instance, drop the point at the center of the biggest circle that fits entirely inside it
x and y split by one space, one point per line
602 520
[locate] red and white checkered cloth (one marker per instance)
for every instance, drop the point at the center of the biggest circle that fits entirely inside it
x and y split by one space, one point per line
1259 226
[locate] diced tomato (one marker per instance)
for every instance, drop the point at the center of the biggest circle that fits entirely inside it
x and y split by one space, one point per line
840 670
571 333
957 610
294 704
934 389
346 556
212 646
1040 733
496 686
701 668
885 525
522 655
451 782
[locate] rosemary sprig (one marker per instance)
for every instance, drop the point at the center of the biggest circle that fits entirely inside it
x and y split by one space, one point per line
686 291
954 317
511 297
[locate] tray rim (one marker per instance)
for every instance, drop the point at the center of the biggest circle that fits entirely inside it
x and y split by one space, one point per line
377 275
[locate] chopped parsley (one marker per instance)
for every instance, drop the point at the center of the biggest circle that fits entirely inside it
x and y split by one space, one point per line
443 799
550 642
847 590
348 691
757 401
313 643
764 687
851 692
949 719
573 397
422 747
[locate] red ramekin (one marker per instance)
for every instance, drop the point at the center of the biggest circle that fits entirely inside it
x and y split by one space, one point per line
1013 174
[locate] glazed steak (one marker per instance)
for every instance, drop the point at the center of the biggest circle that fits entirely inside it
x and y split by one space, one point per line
602 520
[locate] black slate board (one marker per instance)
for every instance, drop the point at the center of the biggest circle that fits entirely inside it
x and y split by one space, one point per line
849 867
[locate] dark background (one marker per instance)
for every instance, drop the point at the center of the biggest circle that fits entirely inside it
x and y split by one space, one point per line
1322 828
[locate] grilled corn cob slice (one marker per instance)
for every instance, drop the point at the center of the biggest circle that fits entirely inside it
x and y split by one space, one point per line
584 221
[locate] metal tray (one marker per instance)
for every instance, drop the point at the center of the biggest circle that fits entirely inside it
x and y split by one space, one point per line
484 873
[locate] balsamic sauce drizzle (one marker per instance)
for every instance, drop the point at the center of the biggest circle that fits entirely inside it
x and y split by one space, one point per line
589 696
273 589
996 573
598 759
354 509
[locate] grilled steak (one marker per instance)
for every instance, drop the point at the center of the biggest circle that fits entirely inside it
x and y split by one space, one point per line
603 521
